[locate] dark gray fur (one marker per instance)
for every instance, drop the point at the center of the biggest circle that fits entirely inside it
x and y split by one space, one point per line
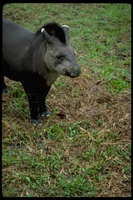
36 59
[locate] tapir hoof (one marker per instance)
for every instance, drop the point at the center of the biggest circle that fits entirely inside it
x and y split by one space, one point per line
36 122
45 114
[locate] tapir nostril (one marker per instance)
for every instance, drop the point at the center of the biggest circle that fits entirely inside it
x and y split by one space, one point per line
73 72
76 71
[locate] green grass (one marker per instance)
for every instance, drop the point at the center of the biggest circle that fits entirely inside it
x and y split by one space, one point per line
109 48
85 153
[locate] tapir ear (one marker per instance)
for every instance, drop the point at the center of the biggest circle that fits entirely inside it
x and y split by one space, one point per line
46 35
66 30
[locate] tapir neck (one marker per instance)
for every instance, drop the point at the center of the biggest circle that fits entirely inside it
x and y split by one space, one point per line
36 54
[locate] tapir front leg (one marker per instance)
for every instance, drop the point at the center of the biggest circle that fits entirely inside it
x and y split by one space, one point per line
36 98
34 108
33 99
42 97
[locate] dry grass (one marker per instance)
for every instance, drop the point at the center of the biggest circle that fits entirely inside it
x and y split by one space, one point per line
105 124
84 148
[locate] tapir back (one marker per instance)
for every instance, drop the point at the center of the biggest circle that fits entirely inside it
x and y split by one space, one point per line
15 41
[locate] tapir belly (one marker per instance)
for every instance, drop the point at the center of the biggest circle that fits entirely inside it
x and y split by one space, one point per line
9 72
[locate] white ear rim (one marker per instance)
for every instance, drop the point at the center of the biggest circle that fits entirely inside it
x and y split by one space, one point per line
65 26
42 30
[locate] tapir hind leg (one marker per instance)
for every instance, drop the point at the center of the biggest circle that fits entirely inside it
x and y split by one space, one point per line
5 89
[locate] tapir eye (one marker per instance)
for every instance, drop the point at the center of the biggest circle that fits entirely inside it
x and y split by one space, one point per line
59 57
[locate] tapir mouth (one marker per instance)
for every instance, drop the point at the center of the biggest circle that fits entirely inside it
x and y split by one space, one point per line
72 75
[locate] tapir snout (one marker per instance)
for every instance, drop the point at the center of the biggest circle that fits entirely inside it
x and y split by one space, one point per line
73 71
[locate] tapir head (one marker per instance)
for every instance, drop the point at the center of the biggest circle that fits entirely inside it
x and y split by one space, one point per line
59 56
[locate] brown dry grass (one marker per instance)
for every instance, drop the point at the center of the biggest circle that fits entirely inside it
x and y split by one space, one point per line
95 104
98 153
106 113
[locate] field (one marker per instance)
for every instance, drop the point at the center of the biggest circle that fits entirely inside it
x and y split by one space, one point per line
84 148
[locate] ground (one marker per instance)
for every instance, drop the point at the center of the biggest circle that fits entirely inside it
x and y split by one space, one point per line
84 148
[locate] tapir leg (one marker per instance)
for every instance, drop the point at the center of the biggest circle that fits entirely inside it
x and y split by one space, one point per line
37 104
33 104
42 96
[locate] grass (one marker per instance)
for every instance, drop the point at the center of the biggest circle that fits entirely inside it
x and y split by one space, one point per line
84 148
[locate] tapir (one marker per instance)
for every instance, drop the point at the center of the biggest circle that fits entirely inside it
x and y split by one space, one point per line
36 59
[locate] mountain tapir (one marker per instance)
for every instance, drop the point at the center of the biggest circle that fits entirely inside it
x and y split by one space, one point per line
36 59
